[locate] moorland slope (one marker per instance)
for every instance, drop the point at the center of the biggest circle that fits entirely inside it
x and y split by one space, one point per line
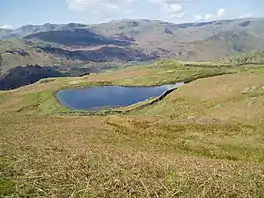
203 140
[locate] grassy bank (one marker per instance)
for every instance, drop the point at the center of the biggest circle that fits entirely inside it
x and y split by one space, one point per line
40 97
203 140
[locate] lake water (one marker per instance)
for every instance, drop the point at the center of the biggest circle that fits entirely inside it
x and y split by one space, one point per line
94 98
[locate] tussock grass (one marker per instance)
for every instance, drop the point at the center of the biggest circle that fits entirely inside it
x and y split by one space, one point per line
203 140
95 157
220 98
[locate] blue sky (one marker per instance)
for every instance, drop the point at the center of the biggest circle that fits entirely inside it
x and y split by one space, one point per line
15 13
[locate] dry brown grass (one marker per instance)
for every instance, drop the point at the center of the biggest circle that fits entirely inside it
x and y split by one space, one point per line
220 98
221 87
203 140
86 157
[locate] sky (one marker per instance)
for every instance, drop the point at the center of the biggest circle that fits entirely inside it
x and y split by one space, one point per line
15 13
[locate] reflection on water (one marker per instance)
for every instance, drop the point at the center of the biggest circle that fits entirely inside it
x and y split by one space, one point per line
108 96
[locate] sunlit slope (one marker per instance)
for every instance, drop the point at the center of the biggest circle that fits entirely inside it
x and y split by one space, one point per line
40 96
236 97
203 140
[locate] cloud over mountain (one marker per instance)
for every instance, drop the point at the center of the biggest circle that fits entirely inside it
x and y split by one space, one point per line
7 26
170 8
82 5
220 14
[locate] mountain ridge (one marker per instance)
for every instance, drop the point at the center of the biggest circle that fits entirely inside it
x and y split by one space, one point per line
30 29
148 39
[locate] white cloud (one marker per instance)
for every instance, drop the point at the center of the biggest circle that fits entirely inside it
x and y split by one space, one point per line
170 1
107 8
179 15
83 5
198 18
7 26
210 17
221 12
172 7
112 6
175 8
247 15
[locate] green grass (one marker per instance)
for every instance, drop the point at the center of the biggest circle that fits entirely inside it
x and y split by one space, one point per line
203 140
253 58
166 72
7 186
123 156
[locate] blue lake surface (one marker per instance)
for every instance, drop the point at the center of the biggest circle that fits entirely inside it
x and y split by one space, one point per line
100 97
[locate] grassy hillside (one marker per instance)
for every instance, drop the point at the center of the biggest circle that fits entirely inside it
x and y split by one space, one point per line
158 73
21 76
19 52
254 58
224 45
203 140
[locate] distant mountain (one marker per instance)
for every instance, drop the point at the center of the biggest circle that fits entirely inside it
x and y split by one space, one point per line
131 40
32 29
20 52
188 32
5 31
223 44
140 28
103 54
75 37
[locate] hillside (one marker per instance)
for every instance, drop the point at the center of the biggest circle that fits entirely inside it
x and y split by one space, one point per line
20 76
255 57
222 45
31 29
173 40
190 32
131 99
204 139
19 52
76 37
137 40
